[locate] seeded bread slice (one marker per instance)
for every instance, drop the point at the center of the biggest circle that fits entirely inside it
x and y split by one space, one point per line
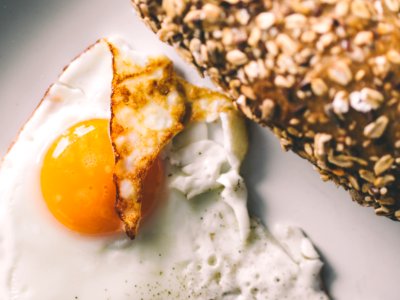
323 75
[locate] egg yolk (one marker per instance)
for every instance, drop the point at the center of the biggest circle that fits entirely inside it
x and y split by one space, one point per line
77 180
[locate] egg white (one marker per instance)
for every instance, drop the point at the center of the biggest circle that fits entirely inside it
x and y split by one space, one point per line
199 244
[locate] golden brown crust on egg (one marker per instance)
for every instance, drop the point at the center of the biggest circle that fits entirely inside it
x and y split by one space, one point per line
150 104
203 103
323 75
137 92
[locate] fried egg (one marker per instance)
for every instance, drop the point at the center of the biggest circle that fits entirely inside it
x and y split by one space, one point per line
60 237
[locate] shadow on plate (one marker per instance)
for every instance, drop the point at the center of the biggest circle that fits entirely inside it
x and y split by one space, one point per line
255 169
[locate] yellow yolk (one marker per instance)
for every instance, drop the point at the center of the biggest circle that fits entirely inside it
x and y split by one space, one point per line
77 179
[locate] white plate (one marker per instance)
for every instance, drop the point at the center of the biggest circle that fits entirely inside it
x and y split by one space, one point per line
38 38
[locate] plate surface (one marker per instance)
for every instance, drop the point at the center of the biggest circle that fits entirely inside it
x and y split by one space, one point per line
38 38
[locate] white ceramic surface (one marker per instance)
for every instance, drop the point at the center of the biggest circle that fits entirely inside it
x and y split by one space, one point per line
37 38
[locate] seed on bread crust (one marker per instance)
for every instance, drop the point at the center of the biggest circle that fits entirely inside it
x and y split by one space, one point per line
236 57
383 164
323 75
265 20
374 130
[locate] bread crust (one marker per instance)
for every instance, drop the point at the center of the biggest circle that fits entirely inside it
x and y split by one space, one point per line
323 75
